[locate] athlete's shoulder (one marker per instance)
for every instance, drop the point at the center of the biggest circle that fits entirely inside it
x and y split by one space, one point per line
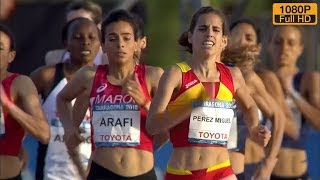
170 76
86 73
266 74
42 76
235 71
255 80
44 71
21 78
22 82
154 71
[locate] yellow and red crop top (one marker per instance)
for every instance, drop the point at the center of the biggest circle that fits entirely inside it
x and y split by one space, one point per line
192 90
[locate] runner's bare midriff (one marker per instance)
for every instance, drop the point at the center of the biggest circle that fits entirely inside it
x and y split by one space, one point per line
291 162
254 153
124 161
10 166
195 158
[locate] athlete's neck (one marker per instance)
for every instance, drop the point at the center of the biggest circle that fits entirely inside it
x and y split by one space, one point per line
70 67
288 70
204 67
121 71
3 74
77 64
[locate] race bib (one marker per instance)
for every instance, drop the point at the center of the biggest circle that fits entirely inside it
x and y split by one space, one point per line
85 147
56 144
57 149
2 126
210 122
116 124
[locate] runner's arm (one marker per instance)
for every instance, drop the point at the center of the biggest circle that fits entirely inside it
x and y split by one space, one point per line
260 134
309 107
273 86
275 114
71 117
72 90
160 119
154 75
28 113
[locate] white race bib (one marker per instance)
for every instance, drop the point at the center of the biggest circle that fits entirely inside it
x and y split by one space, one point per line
116 124
56 145
85 147
210 122
2 126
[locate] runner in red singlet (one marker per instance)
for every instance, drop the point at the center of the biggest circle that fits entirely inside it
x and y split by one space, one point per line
119 96
20 111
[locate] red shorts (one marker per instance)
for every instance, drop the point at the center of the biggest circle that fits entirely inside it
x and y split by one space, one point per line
215 172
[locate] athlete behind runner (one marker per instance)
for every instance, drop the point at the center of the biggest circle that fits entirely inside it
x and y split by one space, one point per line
119 96
81 38
75 9
194 102
141 38
245 32
302 91
20 110
245 45
245 58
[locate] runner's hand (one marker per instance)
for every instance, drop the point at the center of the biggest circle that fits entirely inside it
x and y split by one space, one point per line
73 139
133 88
261 135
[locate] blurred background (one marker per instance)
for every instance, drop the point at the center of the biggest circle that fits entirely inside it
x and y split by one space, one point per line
37 27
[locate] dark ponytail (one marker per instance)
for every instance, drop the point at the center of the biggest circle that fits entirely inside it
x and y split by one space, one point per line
183 41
